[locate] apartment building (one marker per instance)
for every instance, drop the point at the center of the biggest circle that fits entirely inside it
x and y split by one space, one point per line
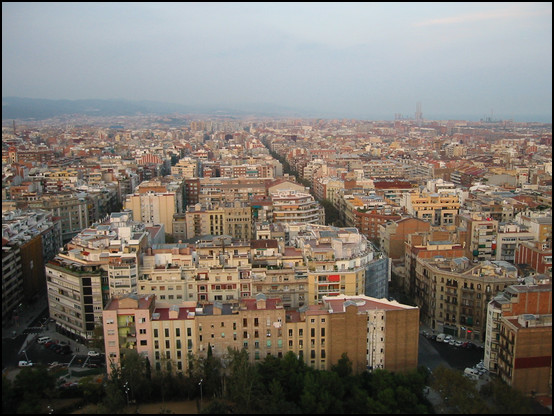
12 277
234 219
374 333
427 245
515 300
288 284
100 262
186 168
75 298
540 225
535 254
339 260
153 208
453 294
436 208
525 353
508 238
477 233
294 206
29 239
70 207
393 235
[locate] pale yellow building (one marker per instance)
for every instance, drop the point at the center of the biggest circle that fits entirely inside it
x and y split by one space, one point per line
438 209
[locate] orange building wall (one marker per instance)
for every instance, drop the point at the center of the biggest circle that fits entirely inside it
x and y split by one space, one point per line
348 334
402 328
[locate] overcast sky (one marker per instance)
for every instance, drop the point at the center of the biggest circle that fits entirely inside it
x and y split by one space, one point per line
356 60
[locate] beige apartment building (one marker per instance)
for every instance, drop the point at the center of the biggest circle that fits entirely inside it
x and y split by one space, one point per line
75 298
438 209
453 294
153 208
374 333
288 284
234 219
294 206
478 234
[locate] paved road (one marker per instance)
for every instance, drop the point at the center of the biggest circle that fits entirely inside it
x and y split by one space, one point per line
433 353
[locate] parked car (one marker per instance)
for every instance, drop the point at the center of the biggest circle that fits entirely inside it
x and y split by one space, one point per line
440 337
25 364
471 373
447 339
458 344
93 354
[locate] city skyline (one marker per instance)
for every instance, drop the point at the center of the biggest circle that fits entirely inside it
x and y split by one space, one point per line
353 60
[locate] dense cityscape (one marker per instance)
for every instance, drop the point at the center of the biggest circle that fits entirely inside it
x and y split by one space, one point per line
311 236
277 208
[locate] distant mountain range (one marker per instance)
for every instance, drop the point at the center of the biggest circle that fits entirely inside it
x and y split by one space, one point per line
39 109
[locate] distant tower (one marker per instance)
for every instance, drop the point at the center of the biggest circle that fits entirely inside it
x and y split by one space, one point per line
14 127
418 114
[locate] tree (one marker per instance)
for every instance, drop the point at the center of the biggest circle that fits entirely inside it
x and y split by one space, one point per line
343 367
133 371
504 399
211 374
459 393
98 337
9 400
241 381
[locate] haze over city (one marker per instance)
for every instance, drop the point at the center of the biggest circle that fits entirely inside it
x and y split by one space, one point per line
353 60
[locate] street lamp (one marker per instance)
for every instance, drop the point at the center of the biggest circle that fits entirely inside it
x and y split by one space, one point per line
200 384
126 387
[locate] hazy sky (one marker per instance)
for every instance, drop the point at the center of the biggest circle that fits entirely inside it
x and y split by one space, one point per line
359 60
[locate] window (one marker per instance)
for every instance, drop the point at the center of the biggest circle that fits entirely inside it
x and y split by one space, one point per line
142 342
178 344
177 332
290 332
166 332
300 332
167 344
322 332
142 331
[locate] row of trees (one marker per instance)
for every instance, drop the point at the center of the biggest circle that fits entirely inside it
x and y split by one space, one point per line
274 385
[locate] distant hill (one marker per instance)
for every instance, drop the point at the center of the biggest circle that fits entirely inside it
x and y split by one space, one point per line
40 109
